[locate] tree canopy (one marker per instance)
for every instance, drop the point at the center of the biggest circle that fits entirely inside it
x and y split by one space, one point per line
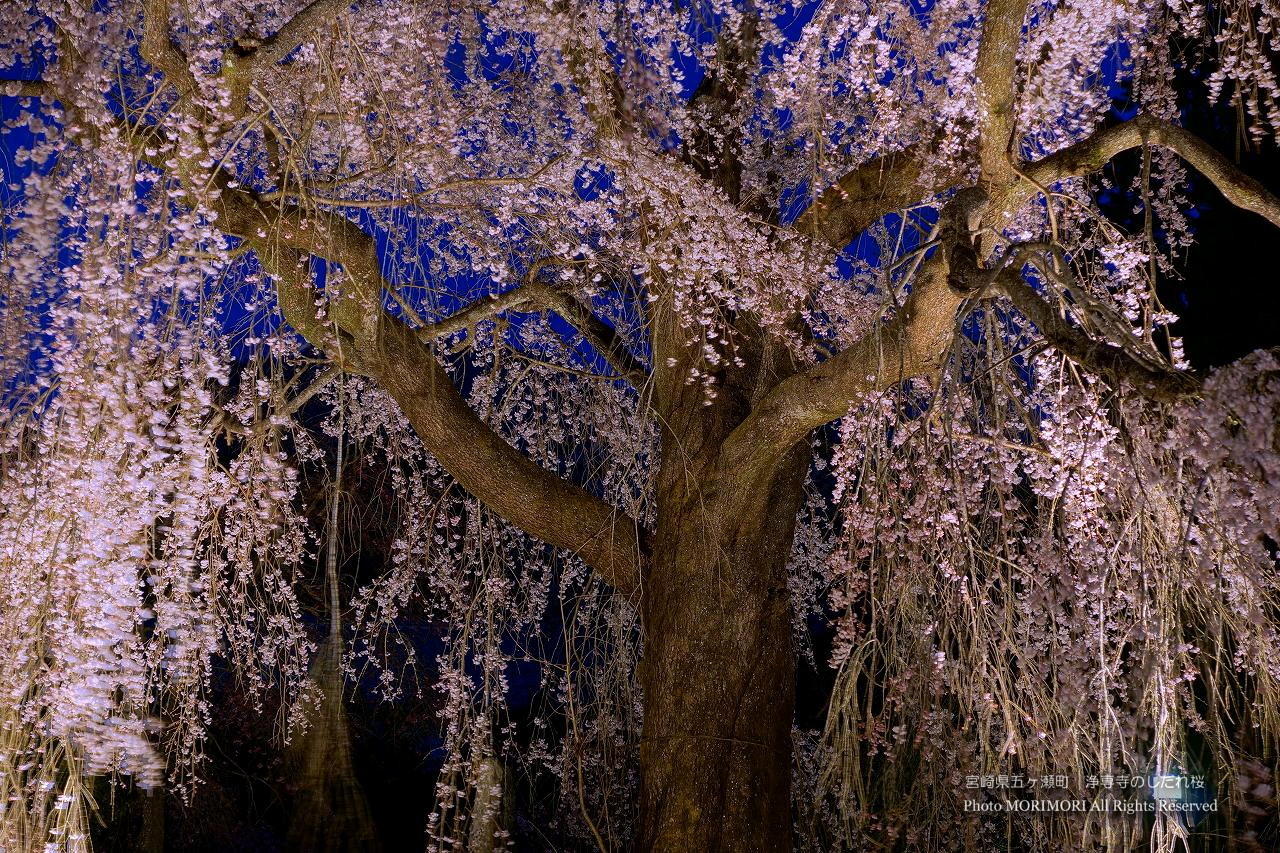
689 326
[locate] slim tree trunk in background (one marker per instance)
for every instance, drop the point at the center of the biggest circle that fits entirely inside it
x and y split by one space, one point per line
488 806
151 835
330 813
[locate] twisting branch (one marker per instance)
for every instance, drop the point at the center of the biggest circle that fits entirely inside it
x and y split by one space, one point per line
1098 150
914 343
535 294
512 485
296 31
867 193
892 182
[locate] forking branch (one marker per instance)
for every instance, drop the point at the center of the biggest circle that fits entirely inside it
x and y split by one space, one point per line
541 503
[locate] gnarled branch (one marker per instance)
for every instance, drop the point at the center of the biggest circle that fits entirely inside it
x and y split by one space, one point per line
599 334
865 194
296 31
1098 150
1103 358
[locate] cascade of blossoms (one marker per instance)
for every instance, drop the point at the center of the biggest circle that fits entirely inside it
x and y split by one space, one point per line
1047 595
129 554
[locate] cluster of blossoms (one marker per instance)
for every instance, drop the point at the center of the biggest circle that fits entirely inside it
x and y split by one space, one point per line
130 552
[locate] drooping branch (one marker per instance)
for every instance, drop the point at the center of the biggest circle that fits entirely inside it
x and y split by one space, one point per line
592 71
536 500
1104 358
713 151
363 337
227 422
1098 150
478 457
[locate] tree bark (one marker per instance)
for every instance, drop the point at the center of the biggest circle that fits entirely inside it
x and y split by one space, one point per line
719 671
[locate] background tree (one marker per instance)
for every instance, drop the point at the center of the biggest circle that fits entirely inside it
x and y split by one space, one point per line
592 281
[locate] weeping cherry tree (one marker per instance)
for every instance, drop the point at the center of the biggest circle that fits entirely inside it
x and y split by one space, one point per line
682 325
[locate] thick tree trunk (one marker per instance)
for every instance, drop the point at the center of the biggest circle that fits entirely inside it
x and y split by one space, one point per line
719 671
